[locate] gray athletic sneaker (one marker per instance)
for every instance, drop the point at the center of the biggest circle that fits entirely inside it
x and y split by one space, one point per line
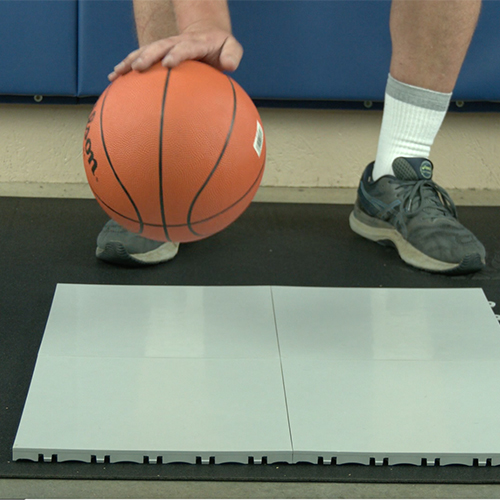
119 246
412 212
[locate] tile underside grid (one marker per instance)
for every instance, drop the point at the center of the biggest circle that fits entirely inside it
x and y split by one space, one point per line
196 374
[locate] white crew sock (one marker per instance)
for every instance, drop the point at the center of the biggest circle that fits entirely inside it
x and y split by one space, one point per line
411 120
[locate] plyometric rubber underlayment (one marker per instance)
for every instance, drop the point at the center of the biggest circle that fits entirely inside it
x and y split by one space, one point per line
260 374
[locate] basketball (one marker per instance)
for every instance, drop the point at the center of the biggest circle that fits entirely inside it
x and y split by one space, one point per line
174 154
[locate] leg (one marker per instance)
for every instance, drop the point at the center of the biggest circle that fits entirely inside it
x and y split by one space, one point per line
398 201
430 39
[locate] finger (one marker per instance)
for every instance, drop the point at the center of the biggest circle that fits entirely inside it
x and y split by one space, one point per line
152 54
230 55
112 76
183 51
126 65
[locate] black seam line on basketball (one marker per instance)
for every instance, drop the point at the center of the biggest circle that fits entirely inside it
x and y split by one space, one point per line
190 211
141 224
232 205
160 159
116 212
149 224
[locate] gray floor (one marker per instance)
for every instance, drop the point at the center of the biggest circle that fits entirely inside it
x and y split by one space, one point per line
17 488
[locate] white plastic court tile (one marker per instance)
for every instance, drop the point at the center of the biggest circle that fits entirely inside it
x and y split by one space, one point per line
399 411
384 324
157 321
173 372
396 374
291 374
177 409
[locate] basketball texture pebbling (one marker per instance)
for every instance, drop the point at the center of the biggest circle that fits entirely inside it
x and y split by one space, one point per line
174 154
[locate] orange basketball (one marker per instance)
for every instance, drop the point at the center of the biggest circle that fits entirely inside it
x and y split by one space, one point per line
174 154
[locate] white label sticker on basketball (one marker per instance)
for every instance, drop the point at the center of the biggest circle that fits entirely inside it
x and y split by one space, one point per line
259 139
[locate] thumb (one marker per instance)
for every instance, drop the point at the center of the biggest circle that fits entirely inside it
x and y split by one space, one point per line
230 55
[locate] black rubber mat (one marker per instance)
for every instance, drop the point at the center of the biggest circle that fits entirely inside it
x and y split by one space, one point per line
50 241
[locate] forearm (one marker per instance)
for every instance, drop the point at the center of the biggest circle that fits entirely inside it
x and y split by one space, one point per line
193 12
154 20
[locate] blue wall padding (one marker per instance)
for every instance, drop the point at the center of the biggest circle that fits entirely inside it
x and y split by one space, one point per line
38 51
298 49
294 49
319 49
479 79
340 50
106 35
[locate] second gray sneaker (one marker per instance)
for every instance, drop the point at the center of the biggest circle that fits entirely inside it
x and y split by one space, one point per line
118 246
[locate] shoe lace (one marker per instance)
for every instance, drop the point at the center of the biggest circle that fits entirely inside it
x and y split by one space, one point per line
423 196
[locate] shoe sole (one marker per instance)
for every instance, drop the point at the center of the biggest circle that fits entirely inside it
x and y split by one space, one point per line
385 234
115 253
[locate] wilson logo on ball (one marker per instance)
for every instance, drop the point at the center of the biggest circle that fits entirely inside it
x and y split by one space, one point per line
88 145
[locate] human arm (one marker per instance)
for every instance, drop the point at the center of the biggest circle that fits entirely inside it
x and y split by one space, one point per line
200 29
